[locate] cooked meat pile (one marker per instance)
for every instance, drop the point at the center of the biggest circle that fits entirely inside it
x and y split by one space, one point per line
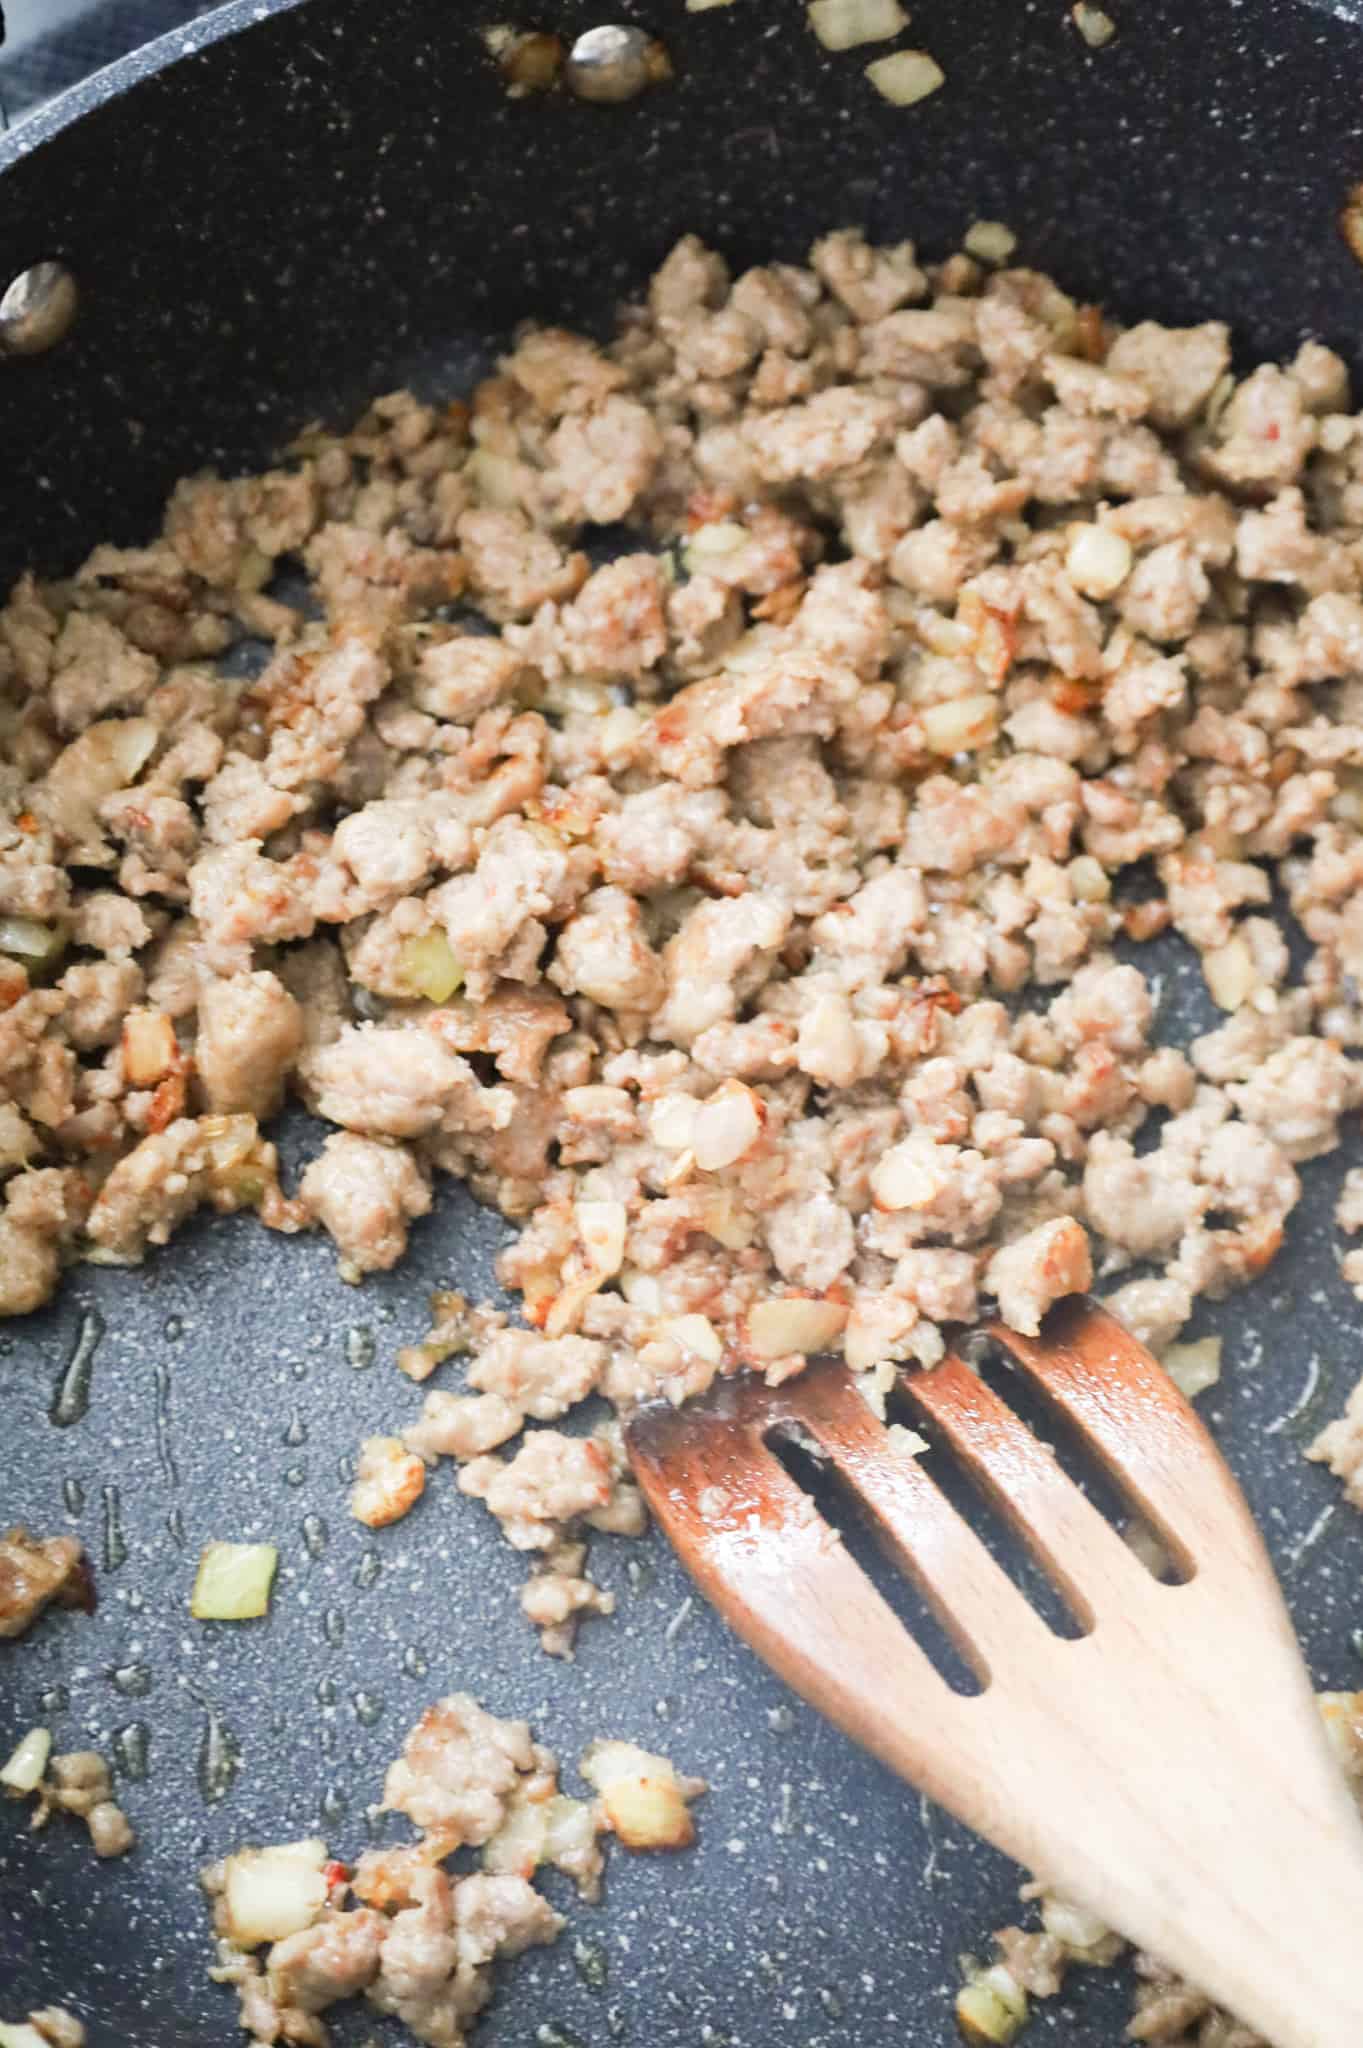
742 915
753 915
34 1574
415 1941
79 1783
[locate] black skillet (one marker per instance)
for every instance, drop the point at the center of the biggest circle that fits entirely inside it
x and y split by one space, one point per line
270 214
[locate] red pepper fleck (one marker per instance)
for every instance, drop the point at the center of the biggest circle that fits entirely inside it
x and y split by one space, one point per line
167 1102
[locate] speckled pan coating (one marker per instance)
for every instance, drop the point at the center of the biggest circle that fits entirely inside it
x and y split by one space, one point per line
264 230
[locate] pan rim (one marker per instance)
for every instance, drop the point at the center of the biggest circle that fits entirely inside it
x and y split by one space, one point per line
137 67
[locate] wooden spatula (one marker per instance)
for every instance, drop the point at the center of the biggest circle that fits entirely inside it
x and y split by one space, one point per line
1167 1769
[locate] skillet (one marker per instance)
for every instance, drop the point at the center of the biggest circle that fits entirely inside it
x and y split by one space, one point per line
270 214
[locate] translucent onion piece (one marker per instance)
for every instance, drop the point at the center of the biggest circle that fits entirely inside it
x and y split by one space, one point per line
234 1581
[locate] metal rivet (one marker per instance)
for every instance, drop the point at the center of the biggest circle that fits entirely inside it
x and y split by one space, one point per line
37 310
613 63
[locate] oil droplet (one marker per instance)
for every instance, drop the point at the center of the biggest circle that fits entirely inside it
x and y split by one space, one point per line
165 1457
346 1468
589 1960
296 1475
73 1493
552 2036
315 1535
71 1394
219 1759
55 1700
414 1662
135 1600
334 1806
115 1545
368 1569
299 1369
327 1741
333 1627
360 1347
131 1746
326 1692
174 1327
368 1707
133 1680
175 1523
297 1432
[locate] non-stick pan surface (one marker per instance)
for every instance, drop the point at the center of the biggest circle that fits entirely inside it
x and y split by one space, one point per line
263 230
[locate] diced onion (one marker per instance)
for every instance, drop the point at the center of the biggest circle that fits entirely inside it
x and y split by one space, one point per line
1089 879
961 725
1093 24
149 1047
427 966
1098 560
906 1443
727 1221
704 6
539 1831
35 944
22 2036
1230 973
565 695
234 1581
1193 1367
844 24
694 1333
726 1126
108 755
989 241
1082 1932
270 1893
712 543
641 1290
906 77
776 1328
602 1227
672 1122
1347 804
909 1176
517 1849
529 60
24 1771
495 478
992 2008
641 1795
571 1830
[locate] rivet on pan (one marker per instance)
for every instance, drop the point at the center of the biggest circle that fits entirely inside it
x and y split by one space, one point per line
613 64
37 310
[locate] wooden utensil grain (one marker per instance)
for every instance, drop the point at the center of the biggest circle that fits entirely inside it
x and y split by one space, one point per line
1167 1769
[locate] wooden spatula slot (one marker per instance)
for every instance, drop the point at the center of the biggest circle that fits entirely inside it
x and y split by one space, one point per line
977 1504
916 1607
1072 1450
